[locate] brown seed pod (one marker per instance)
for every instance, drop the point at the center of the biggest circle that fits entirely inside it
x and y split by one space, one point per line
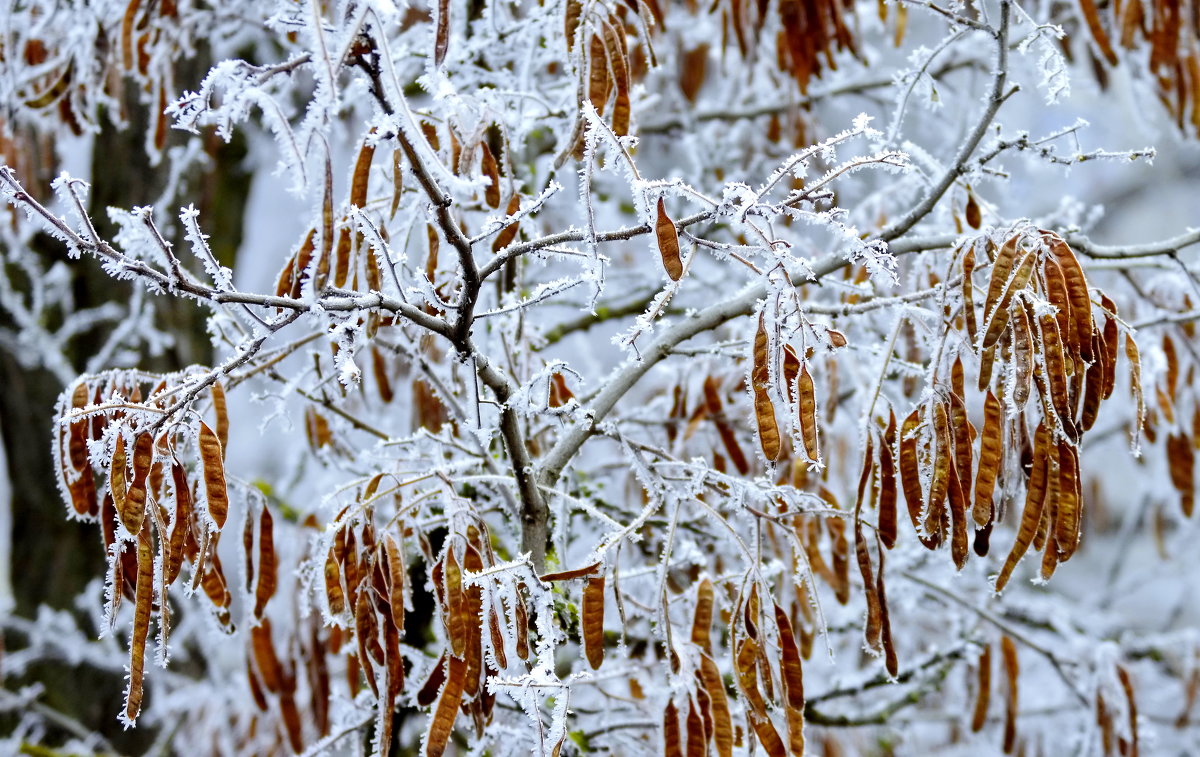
599 84
1001 269
1131 709
135 496
455 608
397 578
764 408
702 618
939 484
141 622
333 584
1035 497
1111 336
268 563
591 618
890 660
509 232
998 319
618 58
887 484
1135 385
1069 505
984 690
1181 460
791 670
428 692
441 722
671 738
567 575
491 171
991 455
1077 291
117 483
441 40
214 475
910 474
974 216
1055 370
182 526
807 412
668 243
1008 651
722 722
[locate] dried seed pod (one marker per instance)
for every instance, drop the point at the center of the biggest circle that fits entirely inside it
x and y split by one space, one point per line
702 618
1001 269
1069 505
509 232
991 455
1181 460
618 59
214 475
182 526
455 608
441 723
491 171
333 584
268 563
887 484
714 687
397 577
1056 373
1130 708
910 474
764 408
599 84
221 413
671 738
668 243
591 618
141 622
1035 497
807 411
441 36
974 216
984 690
117 483
1008 651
